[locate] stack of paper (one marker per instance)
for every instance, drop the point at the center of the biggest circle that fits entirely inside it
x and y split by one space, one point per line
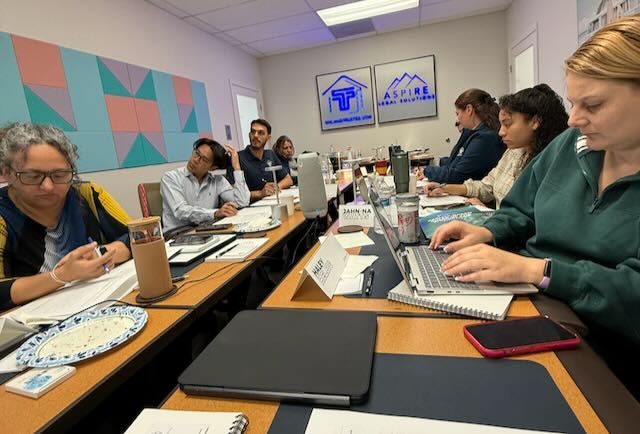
245 215
352 276
355 239
238 250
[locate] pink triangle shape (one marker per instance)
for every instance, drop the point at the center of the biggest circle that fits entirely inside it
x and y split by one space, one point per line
157 140
184 110
123 141
137 74
58 99
119 70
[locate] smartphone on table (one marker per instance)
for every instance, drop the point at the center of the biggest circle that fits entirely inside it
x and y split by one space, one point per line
204 227
520 336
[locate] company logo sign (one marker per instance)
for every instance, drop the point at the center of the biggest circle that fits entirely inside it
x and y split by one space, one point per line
345 101
407 89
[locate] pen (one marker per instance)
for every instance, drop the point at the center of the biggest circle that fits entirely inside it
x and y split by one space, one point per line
98 253
367 288
228 250
179 278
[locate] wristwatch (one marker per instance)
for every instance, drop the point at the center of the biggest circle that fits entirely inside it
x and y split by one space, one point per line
546 279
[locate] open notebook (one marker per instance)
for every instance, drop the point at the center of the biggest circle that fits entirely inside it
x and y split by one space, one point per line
157 421
485 306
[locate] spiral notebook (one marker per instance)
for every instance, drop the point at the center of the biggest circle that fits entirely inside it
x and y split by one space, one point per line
158 421
493 307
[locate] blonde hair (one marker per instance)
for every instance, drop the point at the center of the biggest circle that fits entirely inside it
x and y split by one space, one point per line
612 53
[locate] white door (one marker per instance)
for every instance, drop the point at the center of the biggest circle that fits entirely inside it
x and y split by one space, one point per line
523 62
247 106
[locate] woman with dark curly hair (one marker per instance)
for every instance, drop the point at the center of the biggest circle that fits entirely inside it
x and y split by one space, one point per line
529 120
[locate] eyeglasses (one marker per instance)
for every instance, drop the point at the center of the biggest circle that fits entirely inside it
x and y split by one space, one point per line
201 157
36 177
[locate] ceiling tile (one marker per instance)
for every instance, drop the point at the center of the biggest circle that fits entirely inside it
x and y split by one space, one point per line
460 8
397 20
258 11
281 27
290 43
225 37
201 25
250 50
163 4
324 4
194 7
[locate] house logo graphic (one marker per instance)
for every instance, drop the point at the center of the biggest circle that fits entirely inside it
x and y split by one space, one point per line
344 101
407 89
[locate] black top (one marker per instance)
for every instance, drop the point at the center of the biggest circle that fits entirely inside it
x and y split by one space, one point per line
254 173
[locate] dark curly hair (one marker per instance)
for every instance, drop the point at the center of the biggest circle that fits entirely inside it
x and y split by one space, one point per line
221 157
542 103
484 105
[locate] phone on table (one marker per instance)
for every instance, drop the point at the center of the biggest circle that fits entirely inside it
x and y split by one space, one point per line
520 336
204 227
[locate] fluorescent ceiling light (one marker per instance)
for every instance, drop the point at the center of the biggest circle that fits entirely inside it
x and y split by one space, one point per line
364 9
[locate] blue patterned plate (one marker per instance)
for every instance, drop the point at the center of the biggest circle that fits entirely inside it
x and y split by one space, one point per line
82 336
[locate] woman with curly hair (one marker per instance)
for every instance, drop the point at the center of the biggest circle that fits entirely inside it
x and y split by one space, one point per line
529 120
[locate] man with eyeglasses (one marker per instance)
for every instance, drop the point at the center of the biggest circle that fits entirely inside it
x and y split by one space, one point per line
254 159
196 194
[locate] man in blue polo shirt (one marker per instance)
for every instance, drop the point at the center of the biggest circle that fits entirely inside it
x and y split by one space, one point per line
255 158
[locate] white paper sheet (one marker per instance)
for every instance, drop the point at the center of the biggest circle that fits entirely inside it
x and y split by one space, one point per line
158 421
324 421
350 285
9 364
355 239
451 199
356 264
246 215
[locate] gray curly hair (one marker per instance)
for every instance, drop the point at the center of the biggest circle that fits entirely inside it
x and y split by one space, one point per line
16 138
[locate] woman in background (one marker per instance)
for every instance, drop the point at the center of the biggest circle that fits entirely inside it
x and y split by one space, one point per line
529 120
574 212
285 151
479 147
47 222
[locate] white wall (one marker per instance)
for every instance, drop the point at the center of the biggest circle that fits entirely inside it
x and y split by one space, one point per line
469 52
137 32
557 22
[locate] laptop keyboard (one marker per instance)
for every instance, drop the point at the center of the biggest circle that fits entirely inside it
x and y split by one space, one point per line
429 262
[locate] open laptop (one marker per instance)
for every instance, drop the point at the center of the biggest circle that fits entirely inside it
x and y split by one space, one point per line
317 357
420 266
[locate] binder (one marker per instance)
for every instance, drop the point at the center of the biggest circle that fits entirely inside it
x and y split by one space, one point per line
158 420
493 307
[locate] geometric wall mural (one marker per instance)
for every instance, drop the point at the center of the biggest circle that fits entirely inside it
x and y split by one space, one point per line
119 114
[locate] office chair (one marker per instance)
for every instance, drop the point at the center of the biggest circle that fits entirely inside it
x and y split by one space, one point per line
150 199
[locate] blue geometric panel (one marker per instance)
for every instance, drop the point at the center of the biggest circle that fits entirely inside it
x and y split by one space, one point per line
200 103
166 97
179 145
96 150
85 89
13 104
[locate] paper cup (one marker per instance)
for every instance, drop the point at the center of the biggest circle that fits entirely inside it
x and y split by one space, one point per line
288 200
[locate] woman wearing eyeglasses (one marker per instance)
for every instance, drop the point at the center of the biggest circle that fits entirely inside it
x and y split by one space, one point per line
46 219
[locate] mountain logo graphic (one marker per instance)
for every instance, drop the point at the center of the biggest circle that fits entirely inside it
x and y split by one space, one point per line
407 89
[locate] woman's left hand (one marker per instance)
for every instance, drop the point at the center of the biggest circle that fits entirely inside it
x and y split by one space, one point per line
481 262
233 155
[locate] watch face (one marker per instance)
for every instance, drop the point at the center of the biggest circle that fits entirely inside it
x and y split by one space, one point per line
547 267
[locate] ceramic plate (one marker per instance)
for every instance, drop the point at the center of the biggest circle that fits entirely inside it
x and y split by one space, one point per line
82 336
246 228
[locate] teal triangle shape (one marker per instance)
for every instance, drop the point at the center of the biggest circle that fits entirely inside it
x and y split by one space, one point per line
191 126
42 113
153 156
110 84
135 157
147 89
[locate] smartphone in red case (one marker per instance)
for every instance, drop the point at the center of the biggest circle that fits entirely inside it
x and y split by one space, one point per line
519 336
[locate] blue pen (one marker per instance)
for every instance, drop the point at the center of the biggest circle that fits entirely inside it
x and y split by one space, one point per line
98 254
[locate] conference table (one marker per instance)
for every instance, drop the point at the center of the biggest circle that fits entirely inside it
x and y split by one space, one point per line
598 400
63 406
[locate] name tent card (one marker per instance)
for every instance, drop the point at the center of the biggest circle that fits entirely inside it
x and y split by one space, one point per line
321 275
361 215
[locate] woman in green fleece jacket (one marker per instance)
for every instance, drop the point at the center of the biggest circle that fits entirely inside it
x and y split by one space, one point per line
574 213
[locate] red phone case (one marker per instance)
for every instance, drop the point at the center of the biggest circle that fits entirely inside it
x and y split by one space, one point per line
523 349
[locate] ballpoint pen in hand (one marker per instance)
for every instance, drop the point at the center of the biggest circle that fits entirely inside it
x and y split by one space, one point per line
98 251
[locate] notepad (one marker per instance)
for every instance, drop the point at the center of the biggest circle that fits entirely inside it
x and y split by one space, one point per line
157 421
239 250
493 307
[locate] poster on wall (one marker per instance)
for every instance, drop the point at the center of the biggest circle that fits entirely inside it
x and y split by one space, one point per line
118 114
345 98
406 89
595 14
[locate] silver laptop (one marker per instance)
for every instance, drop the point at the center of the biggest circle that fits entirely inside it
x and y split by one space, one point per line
420 266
